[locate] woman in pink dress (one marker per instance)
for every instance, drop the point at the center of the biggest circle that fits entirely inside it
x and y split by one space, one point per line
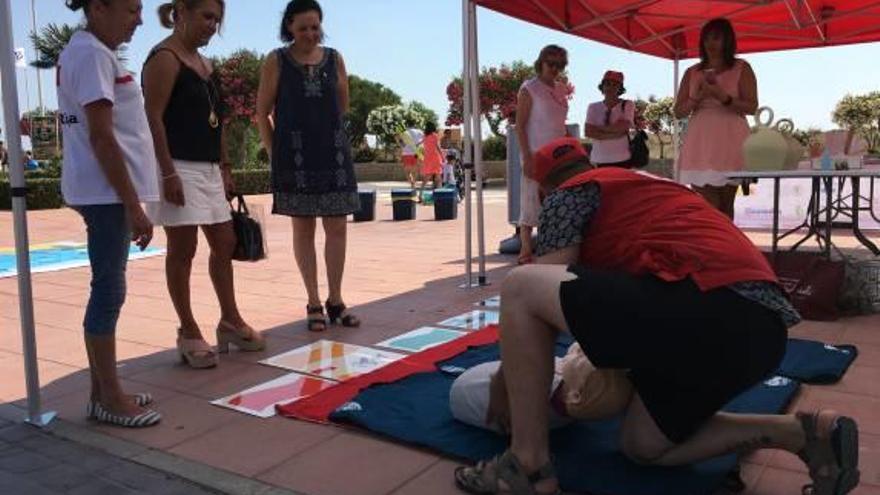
717 94
432 166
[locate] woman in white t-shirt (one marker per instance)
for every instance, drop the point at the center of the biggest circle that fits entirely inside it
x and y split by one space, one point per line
109 169
541 110
608 123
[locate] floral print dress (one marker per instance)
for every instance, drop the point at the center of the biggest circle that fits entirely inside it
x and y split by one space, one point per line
312 170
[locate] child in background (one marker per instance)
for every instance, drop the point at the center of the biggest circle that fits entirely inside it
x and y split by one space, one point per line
448 176
432 166
409 141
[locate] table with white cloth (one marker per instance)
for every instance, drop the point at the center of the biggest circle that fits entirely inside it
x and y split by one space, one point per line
818 227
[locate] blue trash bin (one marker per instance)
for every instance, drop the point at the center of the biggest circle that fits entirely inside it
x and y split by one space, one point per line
445 204
367 211
403 204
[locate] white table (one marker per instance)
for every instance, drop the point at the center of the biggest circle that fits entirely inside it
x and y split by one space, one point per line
815 227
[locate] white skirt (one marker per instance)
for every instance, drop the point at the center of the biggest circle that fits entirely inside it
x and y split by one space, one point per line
203 195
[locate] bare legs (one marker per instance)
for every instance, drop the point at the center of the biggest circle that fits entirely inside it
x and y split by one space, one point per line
335 231
525 243
221 239
106 388
182 243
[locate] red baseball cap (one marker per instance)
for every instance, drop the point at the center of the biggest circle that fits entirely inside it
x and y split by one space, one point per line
613 75
561 153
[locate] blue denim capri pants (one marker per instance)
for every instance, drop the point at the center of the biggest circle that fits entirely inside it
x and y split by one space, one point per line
109 238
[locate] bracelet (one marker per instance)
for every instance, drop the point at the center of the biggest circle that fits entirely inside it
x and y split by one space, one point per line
172 174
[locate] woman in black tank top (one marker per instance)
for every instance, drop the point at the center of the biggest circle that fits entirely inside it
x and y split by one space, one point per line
182 102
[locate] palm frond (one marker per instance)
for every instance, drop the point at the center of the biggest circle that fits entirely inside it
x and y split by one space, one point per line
49 43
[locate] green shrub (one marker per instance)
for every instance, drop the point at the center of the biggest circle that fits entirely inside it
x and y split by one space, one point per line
43 194
364 154
252 180
48 170
495 148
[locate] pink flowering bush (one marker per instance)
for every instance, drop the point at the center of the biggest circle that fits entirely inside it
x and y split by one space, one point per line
498 89
238 77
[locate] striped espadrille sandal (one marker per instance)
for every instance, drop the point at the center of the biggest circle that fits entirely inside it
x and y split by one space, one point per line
141 399
143 420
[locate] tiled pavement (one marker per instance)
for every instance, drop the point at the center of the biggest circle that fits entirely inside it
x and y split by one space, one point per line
400 275
33 462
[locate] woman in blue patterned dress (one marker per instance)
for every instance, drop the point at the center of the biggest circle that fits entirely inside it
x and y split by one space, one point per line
304 88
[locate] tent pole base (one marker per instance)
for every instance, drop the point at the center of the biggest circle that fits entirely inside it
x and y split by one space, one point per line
474 283
42 420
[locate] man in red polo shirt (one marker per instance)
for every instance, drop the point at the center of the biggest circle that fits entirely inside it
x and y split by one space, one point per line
648 277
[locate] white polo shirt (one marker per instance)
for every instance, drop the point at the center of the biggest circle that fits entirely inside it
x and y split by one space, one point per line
88 71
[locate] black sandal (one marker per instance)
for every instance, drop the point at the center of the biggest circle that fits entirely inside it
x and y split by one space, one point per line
315 318
832 460
338 313
483 479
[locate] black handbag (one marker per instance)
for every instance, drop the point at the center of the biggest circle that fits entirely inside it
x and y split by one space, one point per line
249 240
639 156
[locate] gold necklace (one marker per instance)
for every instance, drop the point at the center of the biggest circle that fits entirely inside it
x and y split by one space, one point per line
213 121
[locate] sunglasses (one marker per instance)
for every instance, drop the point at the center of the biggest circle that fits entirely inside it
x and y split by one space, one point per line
556 64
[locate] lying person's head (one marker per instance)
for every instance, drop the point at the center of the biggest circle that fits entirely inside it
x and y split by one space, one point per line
558 161
592 393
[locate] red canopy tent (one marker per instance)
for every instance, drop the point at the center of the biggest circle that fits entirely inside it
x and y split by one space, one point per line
663 28
671 28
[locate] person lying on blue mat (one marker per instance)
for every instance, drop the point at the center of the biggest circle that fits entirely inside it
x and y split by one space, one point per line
649 278
578 391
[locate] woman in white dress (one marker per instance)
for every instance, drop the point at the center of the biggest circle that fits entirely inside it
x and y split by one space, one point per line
541 109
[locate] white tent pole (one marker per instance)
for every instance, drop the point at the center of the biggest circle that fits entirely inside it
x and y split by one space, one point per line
477 133
19 207
675 136
36 55
467 136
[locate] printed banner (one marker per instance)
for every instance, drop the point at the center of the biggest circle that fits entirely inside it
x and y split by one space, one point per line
333 360
421 339
260 400
472 320
60 256
492 302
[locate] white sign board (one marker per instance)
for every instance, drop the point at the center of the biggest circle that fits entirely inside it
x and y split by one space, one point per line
20 58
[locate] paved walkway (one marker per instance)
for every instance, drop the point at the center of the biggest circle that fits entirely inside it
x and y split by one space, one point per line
399 276
35 462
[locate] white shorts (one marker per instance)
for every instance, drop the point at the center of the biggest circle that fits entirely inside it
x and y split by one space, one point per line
203 194
530 202
469 396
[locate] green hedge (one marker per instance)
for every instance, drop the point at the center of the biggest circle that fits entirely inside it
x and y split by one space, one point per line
252 181
43 194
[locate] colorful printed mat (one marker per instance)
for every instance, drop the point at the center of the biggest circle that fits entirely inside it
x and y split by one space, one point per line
56 256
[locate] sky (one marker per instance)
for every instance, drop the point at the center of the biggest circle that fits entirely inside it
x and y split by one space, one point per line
414 48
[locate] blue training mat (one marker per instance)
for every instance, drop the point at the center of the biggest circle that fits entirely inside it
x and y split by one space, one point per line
416 410
813 362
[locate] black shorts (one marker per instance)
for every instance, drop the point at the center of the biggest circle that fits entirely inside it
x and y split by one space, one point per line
689 352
